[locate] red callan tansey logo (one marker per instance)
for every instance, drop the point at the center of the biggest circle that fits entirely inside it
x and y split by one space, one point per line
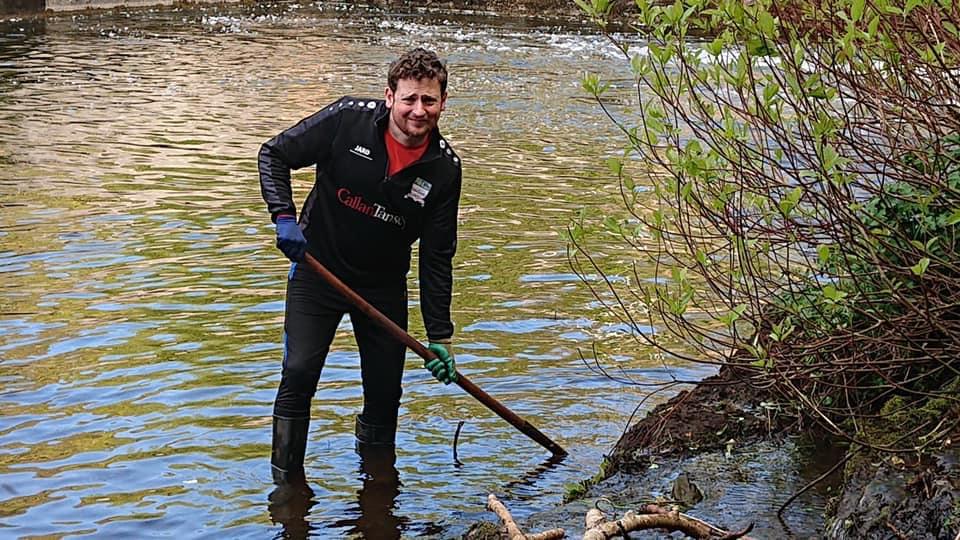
356 202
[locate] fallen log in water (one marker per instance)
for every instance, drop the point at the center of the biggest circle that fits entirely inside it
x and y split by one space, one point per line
513 531
648 516
652 516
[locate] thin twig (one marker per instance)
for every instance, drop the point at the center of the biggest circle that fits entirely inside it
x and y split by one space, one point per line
456 437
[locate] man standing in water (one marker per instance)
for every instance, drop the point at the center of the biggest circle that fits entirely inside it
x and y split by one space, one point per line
385 177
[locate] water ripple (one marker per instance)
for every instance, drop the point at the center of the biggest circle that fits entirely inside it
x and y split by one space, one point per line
141 299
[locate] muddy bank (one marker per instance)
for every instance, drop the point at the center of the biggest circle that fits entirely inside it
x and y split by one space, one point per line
862 494
725 453
720 452
728 488
899 497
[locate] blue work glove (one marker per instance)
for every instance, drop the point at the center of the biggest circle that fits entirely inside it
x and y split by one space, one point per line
290 238
443 366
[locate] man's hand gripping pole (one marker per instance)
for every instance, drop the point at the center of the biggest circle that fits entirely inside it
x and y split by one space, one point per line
486 399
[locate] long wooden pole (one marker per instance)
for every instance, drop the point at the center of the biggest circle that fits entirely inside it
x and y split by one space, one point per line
401 335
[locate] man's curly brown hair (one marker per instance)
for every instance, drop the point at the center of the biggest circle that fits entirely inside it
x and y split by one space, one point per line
418 64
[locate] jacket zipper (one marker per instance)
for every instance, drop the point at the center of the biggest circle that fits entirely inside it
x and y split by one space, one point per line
386 167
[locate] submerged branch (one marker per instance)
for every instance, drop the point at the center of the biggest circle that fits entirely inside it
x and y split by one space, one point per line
513 531
651 516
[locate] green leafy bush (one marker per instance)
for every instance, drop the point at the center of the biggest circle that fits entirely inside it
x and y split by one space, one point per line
800 161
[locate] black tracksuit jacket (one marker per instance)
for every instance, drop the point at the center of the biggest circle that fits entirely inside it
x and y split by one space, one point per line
359 222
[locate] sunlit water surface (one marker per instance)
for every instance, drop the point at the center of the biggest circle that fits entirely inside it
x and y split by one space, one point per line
141 299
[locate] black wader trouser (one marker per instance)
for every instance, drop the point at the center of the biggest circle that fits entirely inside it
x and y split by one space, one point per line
313 312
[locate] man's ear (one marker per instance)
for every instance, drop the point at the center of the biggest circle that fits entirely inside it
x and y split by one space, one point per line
443 102
388 95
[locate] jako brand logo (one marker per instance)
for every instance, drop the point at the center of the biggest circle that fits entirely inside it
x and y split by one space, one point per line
361 151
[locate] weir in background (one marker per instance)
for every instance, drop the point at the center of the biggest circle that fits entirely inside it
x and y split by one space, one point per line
16 7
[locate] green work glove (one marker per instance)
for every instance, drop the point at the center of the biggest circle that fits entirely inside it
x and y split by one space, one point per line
442 367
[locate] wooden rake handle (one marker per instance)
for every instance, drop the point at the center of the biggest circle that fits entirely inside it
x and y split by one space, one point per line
486 399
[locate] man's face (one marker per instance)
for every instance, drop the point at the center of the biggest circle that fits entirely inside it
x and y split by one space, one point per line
415 109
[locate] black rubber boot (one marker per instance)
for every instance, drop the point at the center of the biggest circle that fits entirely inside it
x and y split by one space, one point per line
289 446
374 435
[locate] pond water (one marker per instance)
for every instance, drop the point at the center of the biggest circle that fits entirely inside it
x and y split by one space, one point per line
141 297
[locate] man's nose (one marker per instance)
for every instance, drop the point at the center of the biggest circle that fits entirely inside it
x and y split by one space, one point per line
418 108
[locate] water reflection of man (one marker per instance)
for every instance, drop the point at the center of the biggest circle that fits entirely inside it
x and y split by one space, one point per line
385 178
373 515
377 498
289 507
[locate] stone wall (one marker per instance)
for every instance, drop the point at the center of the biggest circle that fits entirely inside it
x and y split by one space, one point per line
9 7
67 5
22 7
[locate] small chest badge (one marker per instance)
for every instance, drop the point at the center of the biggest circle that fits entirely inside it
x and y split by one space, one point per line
418 191
362 151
